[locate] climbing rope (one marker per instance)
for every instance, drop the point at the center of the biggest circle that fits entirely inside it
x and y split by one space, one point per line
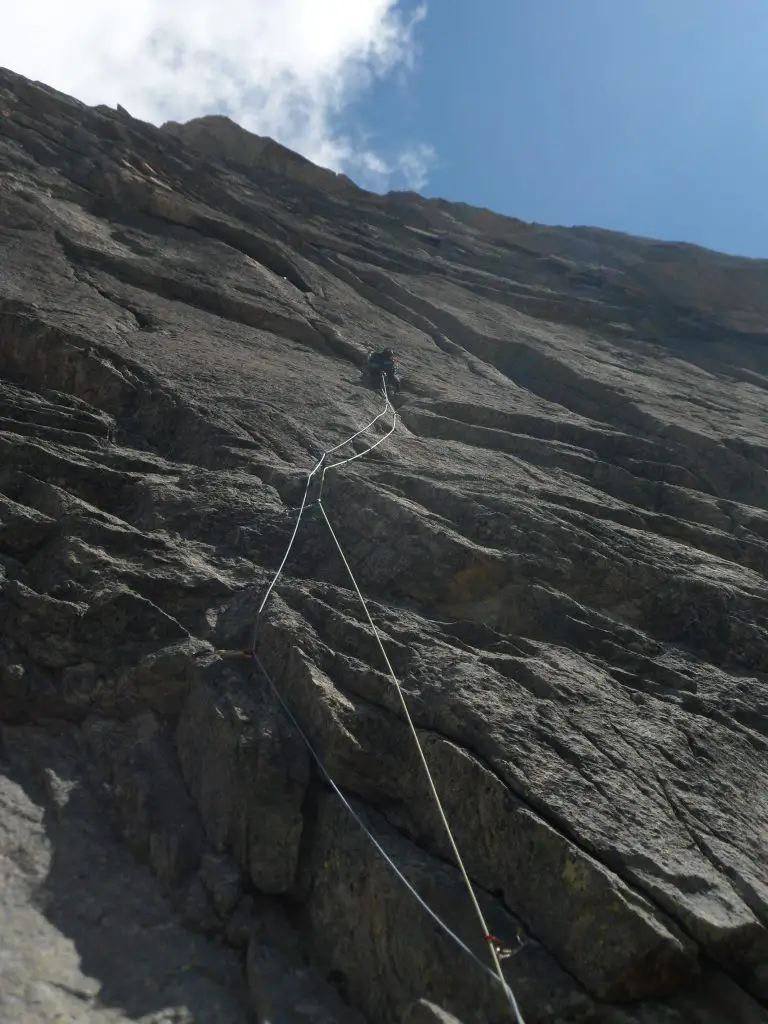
497 951
359 821
303 507
493 944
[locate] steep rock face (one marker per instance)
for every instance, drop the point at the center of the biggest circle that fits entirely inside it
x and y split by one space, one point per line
564 542
220 138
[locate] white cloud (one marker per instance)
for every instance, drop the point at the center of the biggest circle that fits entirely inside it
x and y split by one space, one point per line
284 68
411 166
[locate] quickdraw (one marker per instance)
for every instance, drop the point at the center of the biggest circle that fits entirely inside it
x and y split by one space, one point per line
505 952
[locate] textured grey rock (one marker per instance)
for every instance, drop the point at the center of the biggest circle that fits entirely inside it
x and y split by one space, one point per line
155 815
285 993
222 877
86 933
247 773
565 543
197 910
389 952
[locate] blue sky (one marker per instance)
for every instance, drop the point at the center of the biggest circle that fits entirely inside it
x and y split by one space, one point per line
646 116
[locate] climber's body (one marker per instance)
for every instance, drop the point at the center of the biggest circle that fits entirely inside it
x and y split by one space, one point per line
382 365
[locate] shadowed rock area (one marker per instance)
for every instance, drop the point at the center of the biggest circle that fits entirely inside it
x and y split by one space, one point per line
564 543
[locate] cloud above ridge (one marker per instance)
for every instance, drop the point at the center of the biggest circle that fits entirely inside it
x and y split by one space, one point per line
284 68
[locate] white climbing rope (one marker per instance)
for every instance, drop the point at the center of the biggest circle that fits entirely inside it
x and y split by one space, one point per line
303 507
497 973
430 779
356 817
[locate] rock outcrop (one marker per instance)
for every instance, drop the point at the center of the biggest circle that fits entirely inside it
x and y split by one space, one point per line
564 543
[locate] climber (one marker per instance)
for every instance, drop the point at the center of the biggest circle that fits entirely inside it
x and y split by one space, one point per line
382 364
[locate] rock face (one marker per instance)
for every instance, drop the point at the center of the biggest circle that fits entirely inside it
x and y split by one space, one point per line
564 543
